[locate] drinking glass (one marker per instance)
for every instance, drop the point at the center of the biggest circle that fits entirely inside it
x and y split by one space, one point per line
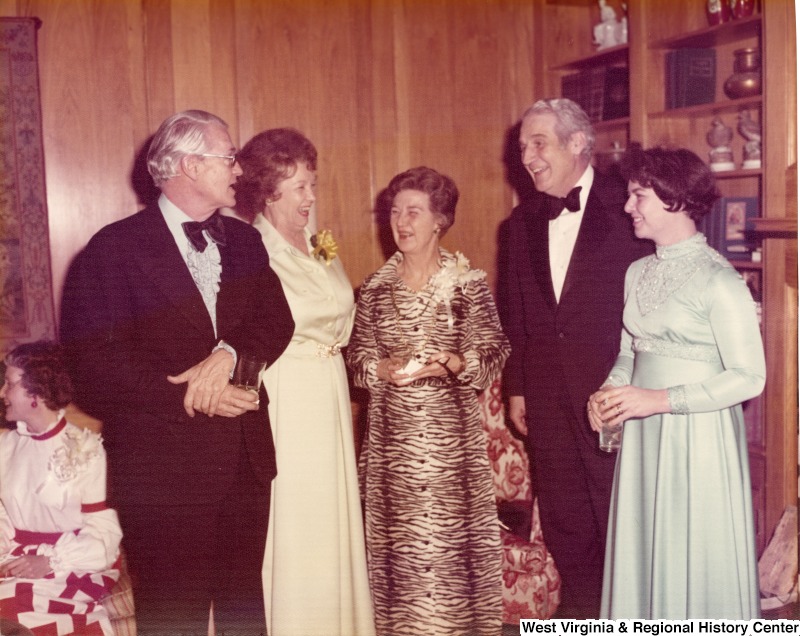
610 437
247 374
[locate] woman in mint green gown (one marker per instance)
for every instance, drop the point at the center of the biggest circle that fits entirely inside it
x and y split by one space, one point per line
681 543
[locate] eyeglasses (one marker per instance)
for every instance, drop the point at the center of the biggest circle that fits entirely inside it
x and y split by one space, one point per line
231 158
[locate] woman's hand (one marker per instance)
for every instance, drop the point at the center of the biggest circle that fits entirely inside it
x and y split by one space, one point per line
445 363
593 407
439 365
614 404
388 371
30 566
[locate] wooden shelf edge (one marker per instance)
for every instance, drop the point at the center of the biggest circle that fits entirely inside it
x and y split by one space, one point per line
609 56
729 105
610 124
713 35
740 173
748 265
776 228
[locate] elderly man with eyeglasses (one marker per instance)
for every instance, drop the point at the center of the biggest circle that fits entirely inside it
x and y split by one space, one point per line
156 310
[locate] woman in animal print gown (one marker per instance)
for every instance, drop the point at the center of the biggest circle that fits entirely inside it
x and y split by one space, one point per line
426 339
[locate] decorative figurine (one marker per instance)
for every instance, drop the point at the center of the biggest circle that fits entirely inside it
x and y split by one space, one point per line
621 30
605 33
718 11
719 138
751 131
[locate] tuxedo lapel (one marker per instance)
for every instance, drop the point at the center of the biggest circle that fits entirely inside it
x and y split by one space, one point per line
591 234
161 262
230 302
539 250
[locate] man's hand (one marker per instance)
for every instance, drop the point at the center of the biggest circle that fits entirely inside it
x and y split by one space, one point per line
206 382
235 401
516 413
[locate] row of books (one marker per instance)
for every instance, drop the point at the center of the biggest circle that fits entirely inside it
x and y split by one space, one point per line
690 78
601 91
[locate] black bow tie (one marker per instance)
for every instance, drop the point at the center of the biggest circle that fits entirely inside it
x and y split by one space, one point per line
213 225
572 202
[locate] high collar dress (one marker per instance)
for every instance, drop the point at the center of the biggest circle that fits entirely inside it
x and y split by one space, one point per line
681 543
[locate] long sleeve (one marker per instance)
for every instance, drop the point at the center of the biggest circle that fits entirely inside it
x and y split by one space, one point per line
485 347
99 326
510 304
95 546
734 323
622 371
6 532
710 314
263 324
455 312
132 318
362 352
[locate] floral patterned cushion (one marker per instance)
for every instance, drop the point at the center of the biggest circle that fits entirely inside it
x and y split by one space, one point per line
531 583
507 454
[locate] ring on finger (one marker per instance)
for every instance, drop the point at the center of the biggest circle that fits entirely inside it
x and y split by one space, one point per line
619 410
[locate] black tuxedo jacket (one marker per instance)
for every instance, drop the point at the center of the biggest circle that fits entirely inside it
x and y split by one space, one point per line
571 345
132 315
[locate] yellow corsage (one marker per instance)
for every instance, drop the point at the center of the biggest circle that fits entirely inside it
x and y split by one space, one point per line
325 246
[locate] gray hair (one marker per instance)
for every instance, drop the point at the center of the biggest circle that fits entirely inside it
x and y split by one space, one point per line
179 135
570 118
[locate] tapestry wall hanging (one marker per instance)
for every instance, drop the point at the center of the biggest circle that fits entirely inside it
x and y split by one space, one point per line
26 298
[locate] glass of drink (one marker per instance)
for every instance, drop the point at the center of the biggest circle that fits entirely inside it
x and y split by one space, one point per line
610 437
247 374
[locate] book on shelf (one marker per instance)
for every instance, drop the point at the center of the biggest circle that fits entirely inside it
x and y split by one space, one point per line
690 77
616 99
602 92
729 227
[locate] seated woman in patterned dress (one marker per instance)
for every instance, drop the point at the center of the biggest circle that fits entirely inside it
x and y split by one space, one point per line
58 540
426 339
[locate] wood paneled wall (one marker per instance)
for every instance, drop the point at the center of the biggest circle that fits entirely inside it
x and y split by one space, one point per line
378 85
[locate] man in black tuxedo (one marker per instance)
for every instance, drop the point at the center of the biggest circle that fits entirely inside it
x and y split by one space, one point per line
156 310
561 304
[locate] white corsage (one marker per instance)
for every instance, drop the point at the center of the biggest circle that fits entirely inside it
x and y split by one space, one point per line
452 275
80 447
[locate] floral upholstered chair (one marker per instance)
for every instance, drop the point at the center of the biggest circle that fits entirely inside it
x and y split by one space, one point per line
118 604
531 584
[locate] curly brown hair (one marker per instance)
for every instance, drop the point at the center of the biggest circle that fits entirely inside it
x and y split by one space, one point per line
44 372
440 188
266 160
